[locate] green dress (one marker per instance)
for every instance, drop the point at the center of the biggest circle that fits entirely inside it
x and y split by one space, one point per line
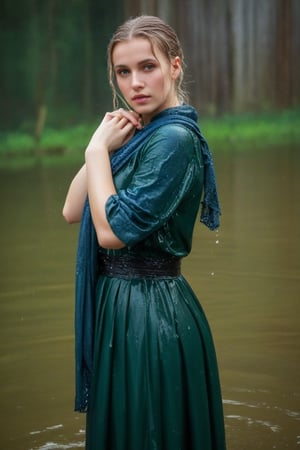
155 384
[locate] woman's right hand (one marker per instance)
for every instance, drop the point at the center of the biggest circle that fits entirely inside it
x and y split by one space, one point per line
115 130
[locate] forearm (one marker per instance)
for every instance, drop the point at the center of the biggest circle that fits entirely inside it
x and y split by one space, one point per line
95 177
72 210
100 187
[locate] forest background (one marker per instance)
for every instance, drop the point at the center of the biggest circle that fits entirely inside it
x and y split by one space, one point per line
242 72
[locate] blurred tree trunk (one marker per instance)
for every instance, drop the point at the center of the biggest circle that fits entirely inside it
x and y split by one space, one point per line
163 8
131 8
253 54
88 62
283 54
205 30
295 52
46 66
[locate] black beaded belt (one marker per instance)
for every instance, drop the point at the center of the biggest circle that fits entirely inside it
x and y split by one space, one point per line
133 266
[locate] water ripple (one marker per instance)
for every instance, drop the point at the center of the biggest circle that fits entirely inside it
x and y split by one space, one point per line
285 411
264 423
57 446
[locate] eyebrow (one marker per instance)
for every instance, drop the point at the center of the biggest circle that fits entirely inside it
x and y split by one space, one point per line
140 63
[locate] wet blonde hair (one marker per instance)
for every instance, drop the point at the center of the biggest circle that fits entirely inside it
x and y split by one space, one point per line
160 35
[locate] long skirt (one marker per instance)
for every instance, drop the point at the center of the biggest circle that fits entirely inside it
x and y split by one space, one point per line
155 380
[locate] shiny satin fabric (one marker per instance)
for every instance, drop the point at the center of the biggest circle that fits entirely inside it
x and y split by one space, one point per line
156 383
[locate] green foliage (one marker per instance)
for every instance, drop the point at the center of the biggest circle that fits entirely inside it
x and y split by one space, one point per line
246 130
16 144
70 140
67 145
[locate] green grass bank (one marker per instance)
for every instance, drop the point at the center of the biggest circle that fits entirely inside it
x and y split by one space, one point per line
66 146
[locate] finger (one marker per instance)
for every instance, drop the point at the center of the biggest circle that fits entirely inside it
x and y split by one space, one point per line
122 121
126 125
127 128
116 118
132 116
128 133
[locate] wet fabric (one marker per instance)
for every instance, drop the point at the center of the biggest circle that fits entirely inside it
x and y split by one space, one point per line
86 264
186 116
155 383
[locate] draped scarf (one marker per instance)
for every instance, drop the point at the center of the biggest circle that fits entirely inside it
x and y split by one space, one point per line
87 262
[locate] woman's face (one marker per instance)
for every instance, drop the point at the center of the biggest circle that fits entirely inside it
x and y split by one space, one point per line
146 81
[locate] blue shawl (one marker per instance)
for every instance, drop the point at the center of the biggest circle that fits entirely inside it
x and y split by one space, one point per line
87 264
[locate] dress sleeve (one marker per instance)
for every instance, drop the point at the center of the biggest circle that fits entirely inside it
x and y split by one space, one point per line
166 168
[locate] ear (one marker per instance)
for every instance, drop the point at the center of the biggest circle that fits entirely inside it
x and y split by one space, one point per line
175 67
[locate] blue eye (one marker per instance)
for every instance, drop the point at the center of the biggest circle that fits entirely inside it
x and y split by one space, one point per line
122 72
148 67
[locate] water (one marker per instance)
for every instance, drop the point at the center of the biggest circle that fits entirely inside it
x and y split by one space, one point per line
247 276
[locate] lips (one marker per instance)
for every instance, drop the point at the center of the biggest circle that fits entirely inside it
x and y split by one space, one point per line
140 98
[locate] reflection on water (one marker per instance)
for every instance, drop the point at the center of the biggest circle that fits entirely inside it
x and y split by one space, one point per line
247 276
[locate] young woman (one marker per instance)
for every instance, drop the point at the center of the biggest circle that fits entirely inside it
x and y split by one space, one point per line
146 371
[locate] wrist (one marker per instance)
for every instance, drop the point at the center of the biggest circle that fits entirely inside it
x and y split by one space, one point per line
93 150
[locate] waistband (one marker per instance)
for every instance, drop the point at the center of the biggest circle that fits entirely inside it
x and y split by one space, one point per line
134 266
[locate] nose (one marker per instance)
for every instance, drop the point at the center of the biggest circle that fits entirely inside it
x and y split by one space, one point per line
136 80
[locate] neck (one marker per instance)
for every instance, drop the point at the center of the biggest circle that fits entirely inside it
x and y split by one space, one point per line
147 118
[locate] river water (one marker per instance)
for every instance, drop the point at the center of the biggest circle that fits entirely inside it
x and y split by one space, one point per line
247 276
